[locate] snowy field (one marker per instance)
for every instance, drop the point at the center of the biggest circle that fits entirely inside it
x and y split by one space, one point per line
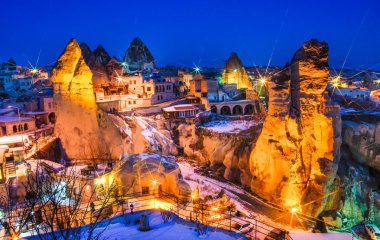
224 126
125 228
159 230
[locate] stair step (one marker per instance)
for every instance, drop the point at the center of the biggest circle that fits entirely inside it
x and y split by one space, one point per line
11 169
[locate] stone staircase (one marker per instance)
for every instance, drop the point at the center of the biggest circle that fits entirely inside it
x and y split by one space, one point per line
11 169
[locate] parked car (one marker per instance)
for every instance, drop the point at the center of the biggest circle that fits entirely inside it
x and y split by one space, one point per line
278 234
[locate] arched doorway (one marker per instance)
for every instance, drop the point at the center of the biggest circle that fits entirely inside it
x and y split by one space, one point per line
214 109
248 110
52 117
225 110
237 110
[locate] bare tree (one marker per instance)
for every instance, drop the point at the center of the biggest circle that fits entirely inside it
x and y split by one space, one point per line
60 205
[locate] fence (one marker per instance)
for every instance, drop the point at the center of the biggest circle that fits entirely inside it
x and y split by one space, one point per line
183 207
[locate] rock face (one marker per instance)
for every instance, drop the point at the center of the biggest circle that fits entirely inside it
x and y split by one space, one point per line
97 62
358 187
85 131
227 154
296 156
138 54
363 140
359 169
235 73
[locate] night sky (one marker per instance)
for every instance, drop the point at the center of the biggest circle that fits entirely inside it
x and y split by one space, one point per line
184 33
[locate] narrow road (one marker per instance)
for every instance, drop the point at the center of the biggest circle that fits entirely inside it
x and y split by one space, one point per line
256 206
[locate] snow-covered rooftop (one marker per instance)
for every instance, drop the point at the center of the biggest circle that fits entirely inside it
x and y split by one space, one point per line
181 107
224 126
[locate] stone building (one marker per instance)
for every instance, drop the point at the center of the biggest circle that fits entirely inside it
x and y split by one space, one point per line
14 125
181 111
204 88
137 92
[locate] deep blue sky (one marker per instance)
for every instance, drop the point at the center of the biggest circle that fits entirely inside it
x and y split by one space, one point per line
186 32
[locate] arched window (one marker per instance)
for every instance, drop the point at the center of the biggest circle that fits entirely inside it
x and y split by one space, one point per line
25 126
237 110
14 128
20 127
225 110
214 109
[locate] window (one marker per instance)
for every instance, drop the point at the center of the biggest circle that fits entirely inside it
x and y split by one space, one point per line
14 128
148 89
134 101
20 128
49 105
145 190
25 126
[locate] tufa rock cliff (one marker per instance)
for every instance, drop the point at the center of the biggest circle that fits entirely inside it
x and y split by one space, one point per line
138 54
235 73
295 164
97 62
86 133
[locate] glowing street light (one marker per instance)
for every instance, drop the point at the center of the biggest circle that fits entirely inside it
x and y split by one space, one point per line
100 181
293 210
154 182
262 81
34 70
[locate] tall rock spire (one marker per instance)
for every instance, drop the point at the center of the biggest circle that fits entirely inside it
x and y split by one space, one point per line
235 73
138 54
85 131
296 156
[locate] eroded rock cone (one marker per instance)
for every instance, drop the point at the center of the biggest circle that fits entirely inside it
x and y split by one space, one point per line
235 73
296 156
85 131
138 54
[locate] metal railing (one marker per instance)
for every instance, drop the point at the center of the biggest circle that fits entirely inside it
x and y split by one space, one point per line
183 207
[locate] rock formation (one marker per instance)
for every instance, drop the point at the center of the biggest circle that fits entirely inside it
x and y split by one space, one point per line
227 154
85 131
363 140
97 62
235 73
359 169
137 55
152 171
295 158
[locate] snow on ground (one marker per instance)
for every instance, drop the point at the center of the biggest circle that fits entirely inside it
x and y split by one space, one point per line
321 236
209 186
124 228
224 126
159 230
